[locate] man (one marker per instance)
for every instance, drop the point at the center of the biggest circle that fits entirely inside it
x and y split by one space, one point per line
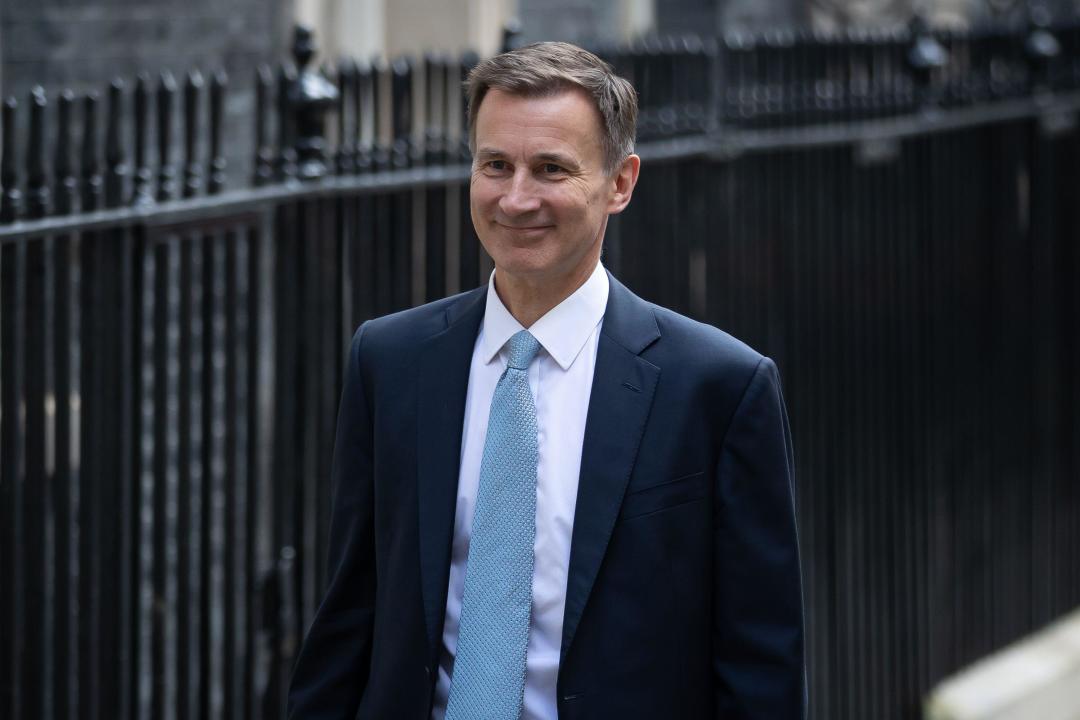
553 499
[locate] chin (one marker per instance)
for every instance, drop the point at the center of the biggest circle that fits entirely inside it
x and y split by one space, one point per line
516 256
524 268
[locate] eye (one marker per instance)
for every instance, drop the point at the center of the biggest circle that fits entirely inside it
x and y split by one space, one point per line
496 165
551 168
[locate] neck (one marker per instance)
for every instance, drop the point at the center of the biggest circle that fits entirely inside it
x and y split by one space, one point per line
529 301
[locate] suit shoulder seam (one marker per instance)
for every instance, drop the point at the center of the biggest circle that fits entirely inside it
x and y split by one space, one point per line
742 397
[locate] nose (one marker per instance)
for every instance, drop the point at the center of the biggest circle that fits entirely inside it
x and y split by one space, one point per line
520 197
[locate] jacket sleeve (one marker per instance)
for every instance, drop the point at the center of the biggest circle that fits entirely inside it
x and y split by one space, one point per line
758 659
331 671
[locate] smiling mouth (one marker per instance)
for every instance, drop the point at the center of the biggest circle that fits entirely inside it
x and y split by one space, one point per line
524 228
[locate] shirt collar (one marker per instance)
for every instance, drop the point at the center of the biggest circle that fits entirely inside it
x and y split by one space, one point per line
562 331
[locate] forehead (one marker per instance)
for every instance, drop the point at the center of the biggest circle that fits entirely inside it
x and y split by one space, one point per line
566 117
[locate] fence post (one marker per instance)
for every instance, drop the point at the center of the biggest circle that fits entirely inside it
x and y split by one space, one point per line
310 97
380 113
192 171
434 107
363 104
401 105
346 154
511 39
217 108
264 153
286 160
66 185
924 56
11 198
142 193
91 165
1042 49
166 174
469 60
37 185
115 169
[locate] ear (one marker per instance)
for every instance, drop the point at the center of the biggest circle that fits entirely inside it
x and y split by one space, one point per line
624 179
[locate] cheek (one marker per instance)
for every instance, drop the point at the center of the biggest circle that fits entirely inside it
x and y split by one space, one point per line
574 201
590 196
476 188
481 197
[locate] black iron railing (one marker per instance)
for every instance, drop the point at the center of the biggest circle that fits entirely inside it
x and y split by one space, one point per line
893 217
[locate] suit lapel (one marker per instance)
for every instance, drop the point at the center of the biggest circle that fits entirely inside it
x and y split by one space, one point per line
442 384
622 393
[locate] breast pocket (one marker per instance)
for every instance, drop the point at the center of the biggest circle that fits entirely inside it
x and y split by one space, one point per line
668 494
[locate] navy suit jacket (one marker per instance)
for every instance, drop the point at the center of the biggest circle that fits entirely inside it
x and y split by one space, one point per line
683 598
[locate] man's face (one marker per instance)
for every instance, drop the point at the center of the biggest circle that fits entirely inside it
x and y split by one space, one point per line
540 197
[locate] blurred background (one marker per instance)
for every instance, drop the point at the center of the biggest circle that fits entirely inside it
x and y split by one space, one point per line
200 202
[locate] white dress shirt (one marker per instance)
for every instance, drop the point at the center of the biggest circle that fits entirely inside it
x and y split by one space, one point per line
560 377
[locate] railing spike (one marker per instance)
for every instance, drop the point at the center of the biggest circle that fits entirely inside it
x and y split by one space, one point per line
402 105
166 92
218 85
362 89
193 180
1041 47
91 156
354 126
435 107
469 60
67 186
116 168
286 163
264 152
380 154
142 193
310 98
11 197
38 196
345 158
925 57
512 31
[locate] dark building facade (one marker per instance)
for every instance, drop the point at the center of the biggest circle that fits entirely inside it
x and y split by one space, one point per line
580 21
84 44
588 21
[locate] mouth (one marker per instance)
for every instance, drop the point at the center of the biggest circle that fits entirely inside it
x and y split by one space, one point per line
524 229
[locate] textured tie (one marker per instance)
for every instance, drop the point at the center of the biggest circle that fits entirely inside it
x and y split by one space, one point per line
489 670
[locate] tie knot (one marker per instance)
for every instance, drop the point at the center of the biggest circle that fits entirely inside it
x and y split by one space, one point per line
523 348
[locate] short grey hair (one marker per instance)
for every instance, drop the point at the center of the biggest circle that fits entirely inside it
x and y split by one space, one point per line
547 68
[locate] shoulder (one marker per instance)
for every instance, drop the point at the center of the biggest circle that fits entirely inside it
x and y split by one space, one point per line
679 342
691 338
718 360
418 323
395 337
703 366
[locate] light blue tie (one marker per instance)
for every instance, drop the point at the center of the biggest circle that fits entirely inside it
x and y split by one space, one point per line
489 670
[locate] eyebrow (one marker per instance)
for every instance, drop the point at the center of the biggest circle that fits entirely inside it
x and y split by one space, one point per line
564 160
488 153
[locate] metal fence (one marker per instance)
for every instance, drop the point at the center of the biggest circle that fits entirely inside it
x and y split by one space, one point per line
893 217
